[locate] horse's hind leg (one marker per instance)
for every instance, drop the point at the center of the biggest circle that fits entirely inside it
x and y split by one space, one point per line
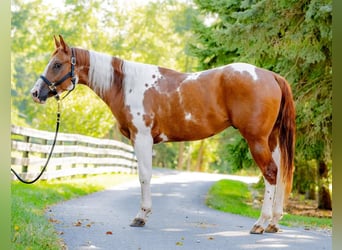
278 203
262 155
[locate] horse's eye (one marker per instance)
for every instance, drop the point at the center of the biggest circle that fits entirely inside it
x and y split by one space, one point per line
57 66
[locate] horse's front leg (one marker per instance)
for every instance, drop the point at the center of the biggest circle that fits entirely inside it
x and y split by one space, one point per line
143 150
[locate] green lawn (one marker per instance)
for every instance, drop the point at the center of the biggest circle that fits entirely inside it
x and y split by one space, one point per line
30 229
235 197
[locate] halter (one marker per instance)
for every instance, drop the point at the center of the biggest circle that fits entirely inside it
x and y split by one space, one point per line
52 85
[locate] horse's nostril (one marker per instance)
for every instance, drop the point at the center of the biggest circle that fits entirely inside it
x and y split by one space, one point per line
35 93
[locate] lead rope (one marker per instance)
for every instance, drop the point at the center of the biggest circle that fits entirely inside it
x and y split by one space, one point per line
52 147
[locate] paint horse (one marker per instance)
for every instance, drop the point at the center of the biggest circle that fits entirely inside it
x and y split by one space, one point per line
153 104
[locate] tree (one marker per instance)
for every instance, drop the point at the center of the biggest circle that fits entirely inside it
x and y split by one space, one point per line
292 38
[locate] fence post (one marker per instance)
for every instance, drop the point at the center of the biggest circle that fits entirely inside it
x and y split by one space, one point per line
26 155
86 155
75 154
59 167
85 165
45 155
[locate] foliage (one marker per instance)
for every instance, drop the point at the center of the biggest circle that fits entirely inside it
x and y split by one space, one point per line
29 227
165 155
90 118
224 152
239 154
304 180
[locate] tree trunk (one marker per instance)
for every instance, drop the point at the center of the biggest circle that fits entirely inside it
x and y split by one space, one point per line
180 156
324 197
188 163
199 162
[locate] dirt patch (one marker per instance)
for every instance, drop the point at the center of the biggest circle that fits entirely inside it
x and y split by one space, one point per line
307 208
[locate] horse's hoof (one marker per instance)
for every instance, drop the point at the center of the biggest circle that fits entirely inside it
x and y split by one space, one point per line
138 222
257 229
271 228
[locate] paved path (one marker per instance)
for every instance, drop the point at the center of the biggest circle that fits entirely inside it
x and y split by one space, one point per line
180 220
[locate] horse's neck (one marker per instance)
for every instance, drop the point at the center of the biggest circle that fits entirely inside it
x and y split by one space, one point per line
103 74
82 65
98 71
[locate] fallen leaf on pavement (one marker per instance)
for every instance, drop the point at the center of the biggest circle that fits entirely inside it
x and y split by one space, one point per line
78 224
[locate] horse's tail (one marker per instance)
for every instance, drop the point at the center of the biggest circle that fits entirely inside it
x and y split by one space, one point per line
286 125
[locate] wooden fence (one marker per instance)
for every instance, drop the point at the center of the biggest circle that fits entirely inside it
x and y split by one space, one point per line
73 154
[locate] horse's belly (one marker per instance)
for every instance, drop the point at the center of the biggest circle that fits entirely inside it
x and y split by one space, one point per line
189 127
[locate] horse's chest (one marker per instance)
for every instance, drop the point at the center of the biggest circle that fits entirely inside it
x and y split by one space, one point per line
138 79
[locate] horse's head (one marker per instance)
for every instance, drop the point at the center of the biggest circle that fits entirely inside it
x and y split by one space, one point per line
58 75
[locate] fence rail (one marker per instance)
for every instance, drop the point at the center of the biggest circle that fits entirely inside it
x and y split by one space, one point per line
73 154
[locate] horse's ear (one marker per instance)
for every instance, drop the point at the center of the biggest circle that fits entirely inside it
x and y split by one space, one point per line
64 45
56 42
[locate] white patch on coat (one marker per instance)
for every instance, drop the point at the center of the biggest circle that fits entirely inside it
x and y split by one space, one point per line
143 150
136 77
266 210
276 156
101 73
192 76
188 116
272 208
280 188
163 137
245 67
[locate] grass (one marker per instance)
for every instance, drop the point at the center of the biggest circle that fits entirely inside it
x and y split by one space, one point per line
235 197
30 228
231 196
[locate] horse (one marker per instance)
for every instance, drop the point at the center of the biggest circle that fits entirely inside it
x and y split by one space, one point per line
154 104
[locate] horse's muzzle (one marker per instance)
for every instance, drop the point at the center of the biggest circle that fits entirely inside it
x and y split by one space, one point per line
37 96
34 94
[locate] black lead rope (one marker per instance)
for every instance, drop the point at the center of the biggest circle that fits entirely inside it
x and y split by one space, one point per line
52 147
